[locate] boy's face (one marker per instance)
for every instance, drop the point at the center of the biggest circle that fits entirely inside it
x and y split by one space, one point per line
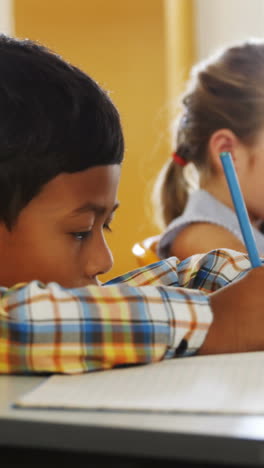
59 235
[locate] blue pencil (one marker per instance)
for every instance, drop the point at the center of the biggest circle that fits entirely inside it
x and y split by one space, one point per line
240 208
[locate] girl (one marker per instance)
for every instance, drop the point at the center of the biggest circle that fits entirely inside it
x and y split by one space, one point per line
222 110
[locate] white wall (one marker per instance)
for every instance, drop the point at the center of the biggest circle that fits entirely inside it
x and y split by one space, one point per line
6 16
219 22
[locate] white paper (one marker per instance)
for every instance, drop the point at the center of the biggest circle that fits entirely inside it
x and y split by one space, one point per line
228 383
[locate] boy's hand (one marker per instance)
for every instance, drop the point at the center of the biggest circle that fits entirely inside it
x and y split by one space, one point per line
238 324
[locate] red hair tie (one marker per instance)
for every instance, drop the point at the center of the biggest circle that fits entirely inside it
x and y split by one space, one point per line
178 159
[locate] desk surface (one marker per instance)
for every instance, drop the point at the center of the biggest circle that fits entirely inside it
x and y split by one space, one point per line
214 439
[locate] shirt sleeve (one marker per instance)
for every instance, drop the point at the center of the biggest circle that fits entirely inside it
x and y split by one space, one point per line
204 272
142 317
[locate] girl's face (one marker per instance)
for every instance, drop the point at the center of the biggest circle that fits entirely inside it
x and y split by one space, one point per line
60 235
252 178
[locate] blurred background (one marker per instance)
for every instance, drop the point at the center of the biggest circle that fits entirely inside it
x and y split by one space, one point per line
142 52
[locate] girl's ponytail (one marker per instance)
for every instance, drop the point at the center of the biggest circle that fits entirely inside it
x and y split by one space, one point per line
170 193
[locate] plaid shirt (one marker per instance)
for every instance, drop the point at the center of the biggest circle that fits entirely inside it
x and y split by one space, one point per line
153 313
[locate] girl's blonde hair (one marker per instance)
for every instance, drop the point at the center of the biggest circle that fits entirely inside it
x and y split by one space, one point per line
226 91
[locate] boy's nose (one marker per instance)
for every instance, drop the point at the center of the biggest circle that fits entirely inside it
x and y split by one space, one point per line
99 262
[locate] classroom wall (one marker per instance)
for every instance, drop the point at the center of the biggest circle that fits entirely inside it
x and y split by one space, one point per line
129 48
225 22
6 17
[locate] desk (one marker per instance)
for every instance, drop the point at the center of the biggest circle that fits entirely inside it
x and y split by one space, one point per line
207 439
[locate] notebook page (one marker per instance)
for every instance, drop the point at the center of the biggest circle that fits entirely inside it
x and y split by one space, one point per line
230 383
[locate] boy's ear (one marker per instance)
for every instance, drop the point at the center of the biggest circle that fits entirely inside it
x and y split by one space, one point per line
222 140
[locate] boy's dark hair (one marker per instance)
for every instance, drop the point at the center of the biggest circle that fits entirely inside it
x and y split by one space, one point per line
53 119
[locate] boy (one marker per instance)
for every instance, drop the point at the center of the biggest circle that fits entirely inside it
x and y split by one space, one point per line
61 148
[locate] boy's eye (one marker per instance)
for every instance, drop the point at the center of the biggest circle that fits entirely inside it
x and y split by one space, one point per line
107 227
82 235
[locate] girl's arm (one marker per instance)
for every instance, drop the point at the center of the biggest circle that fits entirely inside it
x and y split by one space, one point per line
203 237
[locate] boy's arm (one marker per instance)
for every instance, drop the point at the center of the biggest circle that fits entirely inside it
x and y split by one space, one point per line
205 272
238 324
51 329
